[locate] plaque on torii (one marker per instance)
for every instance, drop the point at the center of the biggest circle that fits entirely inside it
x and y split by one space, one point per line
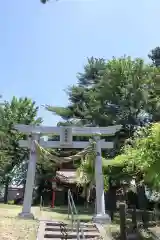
66 137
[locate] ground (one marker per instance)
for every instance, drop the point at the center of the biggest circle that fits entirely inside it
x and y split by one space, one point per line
13 228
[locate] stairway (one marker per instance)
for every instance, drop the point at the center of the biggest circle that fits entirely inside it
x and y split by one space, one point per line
59 230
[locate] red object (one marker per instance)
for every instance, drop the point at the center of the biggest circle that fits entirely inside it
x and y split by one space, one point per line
53 198
53 193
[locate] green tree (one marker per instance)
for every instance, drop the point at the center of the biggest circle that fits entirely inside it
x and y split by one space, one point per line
18 111
81 96
154 55
110 93
140 157
4 160
118 91
141 154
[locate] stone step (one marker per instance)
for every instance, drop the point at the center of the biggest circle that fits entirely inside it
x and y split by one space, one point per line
58 238
54 223
69 235
69 228
96 238
65 224
65 239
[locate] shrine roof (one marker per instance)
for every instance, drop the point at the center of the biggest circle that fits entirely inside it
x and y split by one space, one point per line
67 176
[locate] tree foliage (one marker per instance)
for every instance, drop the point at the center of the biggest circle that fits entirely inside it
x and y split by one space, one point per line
118 91
18 111
154 55
110 168
141 155
112 92
139 159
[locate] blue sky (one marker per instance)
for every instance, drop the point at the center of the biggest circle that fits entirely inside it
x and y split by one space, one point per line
42 47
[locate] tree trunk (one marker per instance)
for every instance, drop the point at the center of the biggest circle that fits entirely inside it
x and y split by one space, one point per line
6 191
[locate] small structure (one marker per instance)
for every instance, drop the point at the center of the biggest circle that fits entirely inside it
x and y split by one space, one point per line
65 179
66 176
15 192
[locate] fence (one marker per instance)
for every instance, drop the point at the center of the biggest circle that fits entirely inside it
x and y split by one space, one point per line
72 211
138 219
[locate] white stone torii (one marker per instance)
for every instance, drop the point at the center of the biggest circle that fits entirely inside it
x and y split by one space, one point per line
66 133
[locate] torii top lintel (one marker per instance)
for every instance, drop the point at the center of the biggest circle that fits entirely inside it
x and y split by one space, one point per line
76 131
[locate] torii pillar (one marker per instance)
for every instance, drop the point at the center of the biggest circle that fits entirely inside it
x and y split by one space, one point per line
100 216
27 202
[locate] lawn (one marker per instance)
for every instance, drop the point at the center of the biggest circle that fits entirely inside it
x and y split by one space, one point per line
13 228
61 213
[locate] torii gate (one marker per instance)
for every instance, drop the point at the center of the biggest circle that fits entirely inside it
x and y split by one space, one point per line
66 134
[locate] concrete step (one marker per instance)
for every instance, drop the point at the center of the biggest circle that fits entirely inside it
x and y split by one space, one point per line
58 238
69 228
69 235
72 238
65 224
55 223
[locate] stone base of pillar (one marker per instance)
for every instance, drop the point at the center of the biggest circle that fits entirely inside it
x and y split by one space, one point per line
101 218
26 215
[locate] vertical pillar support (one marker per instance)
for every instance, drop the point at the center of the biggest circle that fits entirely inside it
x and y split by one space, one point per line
100 216
53 198
27 202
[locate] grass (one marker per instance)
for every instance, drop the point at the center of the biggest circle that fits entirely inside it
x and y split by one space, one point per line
13 228
61 213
